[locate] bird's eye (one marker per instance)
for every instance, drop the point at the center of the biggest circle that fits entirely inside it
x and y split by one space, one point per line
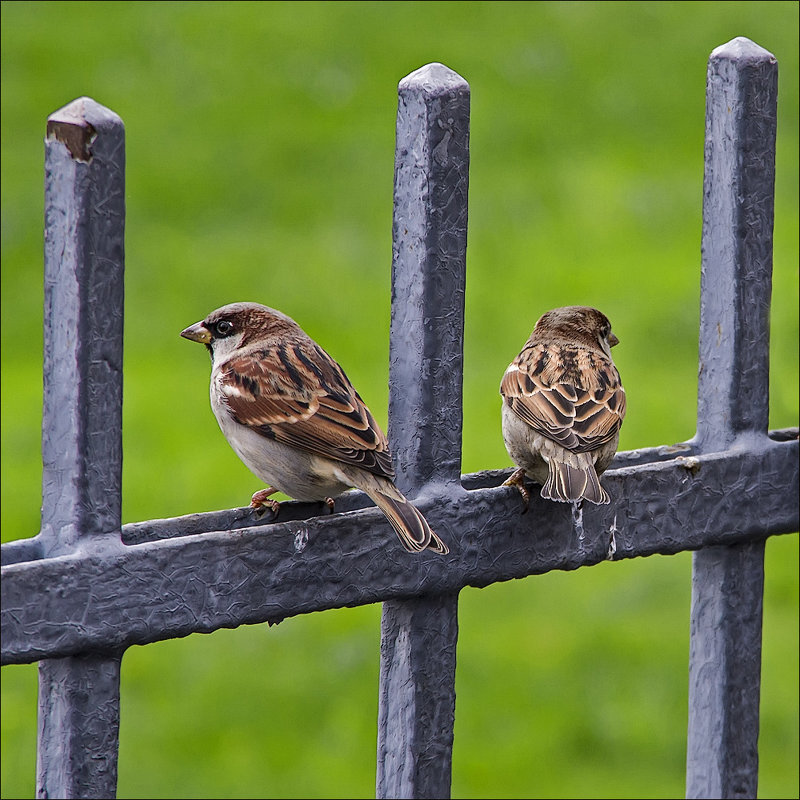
223 328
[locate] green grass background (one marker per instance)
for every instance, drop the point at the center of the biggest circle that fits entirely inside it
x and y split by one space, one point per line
260 145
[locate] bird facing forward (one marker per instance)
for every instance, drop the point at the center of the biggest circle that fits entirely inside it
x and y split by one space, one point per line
563 406
295 420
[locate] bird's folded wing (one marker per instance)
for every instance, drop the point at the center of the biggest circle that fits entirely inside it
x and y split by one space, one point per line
580 403
298 395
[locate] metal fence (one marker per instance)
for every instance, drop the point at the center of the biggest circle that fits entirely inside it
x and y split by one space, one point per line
75 596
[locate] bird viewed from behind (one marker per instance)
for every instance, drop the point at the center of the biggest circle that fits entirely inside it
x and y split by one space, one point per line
563 406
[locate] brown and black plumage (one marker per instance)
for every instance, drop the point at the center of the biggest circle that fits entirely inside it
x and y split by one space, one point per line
293 417
563 405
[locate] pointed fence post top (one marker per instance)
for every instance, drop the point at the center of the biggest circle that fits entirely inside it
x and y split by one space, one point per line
76 125
85 110
433 79
741 49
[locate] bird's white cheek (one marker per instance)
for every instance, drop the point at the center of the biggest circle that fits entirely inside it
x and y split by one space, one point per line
223 348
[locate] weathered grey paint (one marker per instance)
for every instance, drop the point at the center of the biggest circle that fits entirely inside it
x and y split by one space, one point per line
431 180
82 427
201 581
725 671
736 265
79 726
416 702
733 410
83 282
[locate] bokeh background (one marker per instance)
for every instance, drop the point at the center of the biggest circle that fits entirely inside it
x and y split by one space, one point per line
260 145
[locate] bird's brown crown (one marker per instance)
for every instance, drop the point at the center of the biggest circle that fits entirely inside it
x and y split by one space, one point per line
582 324
252 320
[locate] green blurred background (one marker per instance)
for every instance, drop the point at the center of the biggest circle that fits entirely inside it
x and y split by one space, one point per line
260 146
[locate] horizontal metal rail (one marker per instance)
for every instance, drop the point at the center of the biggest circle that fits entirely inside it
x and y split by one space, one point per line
184 578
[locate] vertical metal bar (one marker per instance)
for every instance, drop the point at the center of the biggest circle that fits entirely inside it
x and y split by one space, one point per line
416 707
733 404
78 727
82 425
725 671
738 216
417 700
431 180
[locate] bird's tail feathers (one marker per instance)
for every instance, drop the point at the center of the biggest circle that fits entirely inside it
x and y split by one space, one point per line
568 484
411 527
409 524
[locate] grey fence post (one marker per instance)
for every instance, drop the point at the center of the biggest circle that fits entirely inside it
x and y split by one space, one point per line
82 426
418 637
733 406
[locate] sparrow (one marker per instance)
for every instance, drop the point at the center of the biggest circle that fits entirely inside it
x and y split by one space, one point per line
563 406
292 416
